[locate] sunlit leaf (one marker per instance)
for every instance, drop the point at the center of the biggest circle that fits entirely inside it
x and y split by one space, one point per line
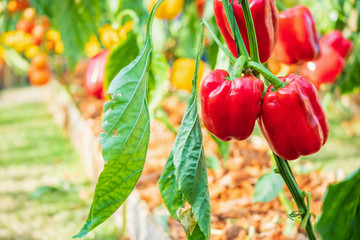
126 123
126 51
268 187
183 184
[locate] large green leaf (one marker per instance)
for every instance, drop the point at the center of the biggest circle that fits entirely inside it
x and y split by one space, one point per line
126 123
126 52
183 184
268 187
75 20
340 217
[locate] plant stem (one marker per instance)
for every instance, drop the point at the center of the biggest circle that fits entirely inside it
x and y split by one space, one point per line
267 74
240 45
216 39
238 67
298 195
254 53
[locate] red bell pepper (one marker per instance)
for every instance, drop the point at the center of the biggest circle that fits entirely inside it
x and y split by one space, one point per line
325 69
336 40
230 108
292 119
95 72
265 18
298 39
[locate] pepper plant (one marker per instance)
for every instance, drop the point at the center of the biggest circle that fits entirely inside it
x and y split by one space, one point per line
183 184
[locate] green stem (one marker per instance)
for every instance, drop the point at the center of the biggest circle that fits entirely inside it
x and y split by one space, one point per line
150 20
216 39
238 67
240 45
254 52
198 55
129 13
298 195
267 74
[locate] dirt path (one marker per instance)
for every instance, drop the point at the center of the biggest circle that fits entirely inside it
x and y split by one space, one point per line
44 192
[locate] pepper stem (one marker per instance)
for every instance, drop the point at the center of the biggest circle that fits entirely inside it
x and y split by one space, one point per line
267 74
298 195
240 45
238 67
254 52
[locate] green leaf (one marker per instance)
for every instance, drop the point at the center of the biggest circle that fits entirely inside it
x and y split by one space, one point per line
75 20
268 187
126 123
340 217
183 184
126 51
16 62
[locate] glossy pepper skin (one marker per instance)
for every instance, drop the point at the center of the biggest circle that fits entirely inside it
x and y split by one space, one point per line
265 18
336 40
298 39
292 119
325 69
95 73
230 108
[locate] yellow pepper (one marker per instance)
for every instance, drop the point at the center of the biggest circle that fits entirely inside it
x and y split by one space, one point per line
22 41
9 38
32 51
59 47
169 9
53 36
2 54
109 36
183 72
92 47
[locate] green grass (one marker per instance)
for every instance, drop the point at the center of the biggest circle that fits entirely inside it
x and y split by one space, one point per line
44 192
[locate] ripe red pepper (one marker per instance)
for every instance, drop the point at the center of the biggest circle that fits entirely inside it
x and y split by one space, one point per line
265 18
336 40
95 72
325 69
298 39
200 6
230 108
292 119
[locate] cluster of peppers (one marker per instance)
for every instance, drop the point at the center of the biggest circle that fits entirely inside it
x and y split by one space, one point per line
289 112
322 60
